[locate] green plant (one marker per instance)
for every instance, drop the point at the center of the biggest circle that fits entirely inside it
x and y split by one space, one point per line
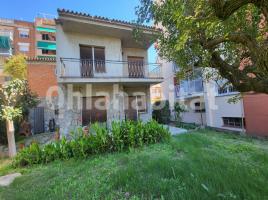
161 112
178 109
188 126
122 136
226 38
16 67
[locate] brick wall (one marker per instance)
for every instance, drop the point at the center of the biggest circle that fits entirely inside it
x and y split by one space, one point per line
41 76
256 114
30 40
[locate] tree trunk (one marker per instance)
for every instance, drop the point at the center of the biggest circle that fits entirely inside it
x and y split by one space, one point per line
11 138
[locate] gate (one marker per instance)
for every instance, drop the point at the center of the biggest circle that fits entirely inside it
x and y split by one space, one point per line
38 120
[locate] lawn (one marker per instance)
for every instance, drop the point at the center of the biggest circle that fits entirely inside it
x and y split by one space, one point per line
201 165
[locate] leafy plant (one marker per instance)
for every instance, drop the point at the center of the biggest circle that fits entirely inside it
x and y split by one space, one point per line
161 112
227 37
16 67
178 109
122 136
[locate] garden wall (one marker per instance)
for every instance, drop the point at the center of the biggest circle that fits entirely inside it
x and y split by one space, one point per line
256 114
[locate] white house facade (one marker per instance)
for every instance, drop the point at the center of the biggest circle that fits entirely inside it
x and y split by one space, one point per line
102 70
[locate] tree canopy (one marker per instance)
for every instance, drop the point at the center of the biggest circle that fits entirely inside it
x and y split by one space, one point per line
16 67
229 37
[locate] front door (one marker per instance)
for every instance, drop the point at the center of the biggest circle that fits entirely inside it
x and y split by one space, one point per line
94 110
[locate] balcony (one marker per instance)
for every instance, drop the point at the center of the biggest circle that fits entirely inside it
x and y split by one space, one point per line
190 88
94 71
6 38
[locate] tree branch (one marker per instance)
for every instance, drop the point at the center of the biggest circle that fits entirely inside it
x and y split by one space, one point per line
224 9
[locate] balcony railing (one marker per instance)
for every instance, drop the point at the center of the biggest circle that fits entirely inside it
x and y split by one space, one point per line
189 87
87 68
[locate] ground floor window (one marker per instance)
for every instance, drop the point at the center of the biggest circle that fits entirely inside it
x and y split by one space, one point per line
233 122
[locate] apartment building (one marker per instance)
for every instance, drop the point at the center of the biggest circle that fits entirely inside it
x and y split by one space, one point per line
100 63
206 102
6 42
45 37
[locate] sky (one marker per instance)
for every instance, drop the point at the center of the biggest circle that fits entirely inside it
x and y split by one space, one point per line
29 9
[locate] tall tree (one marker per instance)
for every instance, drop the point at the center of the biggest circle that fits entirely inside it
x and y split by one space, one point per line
15 97
10 95
229 37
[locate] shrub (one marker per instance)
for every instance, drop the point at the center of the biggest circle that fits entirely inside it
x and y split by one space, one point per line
178 109
161 112
122 136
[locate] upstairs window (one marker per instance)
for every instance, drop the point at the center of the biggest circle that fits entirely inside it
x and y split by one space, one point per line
92 58
48 52
48 37
24 47
24 33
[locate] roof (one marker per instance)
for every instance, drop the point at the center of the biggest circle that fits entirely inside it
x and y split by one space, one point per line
104 19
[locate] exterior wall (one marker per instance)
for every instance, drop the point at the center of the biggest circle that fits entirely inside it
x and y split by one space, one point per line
41 76
30 40
71 112
190 116
68 47
256 114
45 23
217 107
168 84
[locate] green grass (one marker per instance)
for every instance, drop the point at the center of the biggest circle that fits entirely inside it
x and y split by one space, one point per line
203 165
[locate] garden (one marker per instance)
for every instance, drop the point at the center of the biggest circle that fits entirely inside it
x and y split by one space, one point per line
203 164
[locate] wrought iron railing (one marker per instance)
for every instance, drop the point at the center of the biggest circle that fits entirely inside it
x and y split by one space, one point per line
87 68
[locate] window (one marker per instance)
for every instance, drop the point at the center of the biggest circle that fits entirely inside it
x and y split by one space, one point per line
48 37
24 47
199 107
233 122
92 57
23 33
136 67
48 52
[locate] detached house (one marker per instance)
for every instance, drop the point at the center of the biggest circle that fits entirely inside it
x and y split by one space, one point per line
102 70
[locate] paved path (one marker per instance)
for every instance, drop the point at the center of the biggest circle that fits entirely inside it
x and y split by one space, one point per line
8 179
176 131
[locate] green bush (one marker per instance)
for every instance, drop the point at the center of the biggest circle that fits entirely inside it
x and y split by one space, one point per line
188 126
161 112
122 136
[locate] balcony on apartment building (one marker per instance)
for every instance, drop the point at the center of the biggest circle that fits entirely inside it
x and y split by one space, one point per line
189 88
73 70
6 38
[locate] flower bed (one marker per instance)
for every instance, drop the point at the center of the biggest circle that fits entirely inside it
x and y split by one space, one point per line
121 136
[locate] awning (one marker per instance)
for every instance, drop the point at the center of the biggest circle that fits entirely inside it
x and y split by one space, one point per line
46 45
5 42
50 30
